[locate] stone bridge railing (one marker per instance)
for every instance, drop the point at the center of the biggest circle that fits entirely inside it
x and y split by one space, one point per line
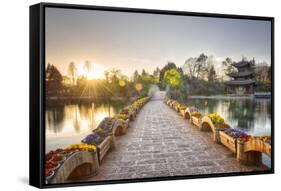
248 149
81 164
83 160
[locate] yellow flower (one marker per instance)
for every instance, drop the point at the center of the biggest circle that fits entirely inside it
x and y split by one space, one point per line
83 147
196 114
122 116
216 118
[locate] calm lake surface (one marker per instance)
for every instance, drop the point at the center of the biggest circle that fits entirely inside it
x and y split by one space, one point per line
252 116
70 123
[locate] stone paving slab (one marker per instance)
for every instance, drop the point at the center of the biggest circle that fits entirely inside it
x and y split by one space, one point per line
161 143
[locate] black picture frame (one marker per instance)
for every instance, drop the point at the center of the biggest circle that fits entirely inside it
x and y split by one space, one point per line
37 92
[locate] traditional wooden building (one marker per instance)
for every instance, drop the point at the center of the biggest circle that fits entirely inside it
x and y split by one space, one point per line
243 81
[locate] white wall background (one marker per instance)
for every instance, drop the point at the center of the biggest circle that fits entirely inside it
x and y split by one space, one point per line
14 59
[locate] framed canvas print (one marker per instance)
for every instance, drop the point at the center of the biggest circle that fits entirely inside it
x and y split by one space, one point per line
128 95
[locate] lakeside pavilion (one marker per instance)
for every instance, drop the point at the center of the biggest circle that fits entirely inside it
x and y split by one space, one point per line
243 80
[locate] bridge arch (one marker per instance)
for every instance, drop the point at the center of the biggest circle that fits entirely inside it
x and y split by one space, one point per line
207 124
119 128
79 165
188 112
257 145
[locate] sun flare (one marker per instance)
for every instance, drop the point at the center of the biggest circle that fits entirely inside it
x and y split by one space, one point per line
95 71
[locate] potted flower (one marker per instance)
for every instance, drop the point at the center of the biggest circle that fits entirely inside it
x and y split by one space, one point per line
58 158
229 137
176 106
196 117
122 120
129 111
102 143
61 174
215 123
218 121
171 103
182 109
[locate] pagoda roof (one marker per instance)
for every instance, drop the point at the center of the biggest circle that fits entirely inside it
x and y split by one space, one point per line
240 74
240 82
243 64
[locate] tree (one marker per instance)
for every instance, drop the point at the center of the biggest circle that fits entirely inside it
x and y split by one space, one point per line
189 67
156 72
53 80
146 82
201 68
88 66
196 67
269 74
173 78
136 76
212 75
114 75
167 67
228 68
262 71
53 74
144 73
72 71
106 74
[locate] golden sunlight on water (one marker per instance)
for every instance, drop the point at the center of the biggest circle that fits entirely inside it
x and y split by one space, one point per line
68 124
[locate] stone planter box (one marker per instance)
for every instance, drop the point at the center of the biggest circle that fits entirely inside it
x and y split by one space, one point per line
196 121
137 109
188 111
249 153
256 144
132 114
182 112
126 124
207 124
105 146
120 128
79 165
228 141
169 102
176 108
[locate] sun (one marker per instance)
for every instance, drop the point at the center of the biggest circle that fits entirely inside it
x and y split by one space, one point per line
96 71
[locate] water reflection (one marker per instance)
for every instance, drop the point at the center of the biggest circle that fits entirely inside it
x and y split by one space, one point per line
67 124
250 115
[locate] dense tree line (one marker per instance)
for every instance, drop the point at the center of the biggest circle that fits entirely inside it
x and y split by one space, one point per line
198 76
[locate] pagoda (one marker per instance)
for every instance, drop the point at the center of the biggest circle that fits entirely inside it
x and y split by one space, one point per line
243 82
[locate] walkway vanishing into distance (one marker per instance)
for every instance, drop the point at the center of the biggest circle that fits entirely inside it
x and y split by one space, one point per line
161 143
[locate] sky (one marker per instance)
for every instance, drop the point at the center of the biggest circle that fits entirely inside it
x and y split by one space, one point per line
130 41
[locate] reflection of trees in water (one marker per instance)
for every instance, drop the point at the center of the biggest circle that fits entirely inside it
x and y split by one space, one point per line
204 105
54 118
76 122
79 114
242 111
250 115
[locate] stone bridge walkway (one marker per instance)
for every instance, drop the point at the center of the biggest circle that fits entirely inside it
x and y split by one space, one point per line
161 143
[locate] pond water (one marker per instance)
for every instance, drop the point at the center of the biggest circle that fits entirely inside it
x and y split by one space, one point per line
69 123
252 116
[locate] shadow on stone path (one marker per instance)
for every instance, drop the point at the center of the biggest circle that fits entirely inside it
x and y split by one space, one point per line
161 143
